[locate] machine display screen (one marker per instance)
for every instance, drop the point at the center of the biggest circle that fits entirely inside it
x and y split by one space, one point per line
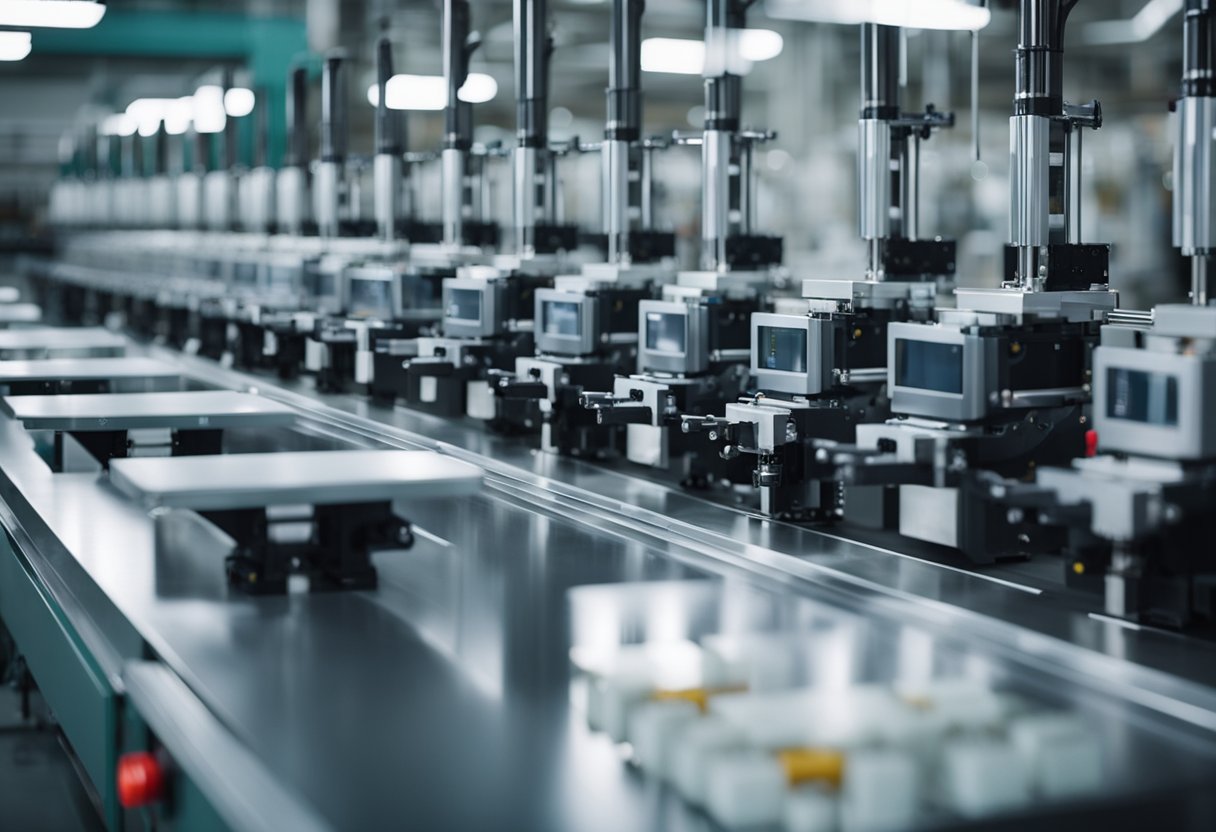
464 304
561 318
781 348
929 365
1139 396
666 332
370 299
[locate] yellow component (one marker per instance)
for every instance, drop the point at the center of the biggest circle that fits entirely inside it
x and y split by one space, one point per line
803 765
857 333
1078 568
920 703
698 696
1015 347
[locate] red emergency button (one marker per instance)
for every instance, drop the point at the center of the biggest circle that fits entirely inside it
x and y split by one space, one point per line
141 780
1091 443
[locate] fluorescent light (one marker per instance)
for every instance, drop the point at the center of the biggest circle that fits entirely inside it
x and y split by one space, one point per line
119 124
676 56
478 88
238 102
179 115
430 92
149 113
739 50
54 14
209 113
912 14
760 44
14 46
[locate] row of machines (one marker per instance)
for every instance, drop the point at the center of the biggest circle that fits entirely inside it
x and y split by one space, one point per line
1033 419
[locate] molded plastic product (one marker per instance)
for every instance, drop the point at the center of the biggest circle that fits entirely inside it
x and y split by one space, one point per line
981 777
654 728
697 743
745 789
881 792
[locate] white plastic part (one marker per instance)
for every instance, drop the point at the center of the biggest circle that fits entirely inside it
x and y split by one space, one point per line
693 747
1061 753
621 678
811 810
881 792
958 704
745 789
653 729
981 777
768 720
757 662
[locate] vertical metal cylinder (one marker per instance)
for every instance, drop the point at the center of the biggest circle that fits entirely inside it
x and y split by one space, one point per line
647 187
334 130
624 94
527 196
880 104
452 198
880 71
1194 197
532 195
624 122
1074 145
388 166
715 197
1038 98
458 127
328 184
747 189
458 119
1199 279
297 119
615 159
532 47
909 198
723 105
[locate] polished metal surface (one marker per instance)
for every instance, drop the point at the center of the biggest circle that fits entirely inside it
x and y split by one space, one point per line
195 409
874 184
292 477
61 342
715 197
90 369
1194 214
1029 166
243 792
453 679
20 313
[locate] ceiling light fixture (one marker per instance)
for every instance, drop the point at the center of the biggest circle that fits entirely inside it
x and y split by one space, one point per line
956 15
209 113
681 56
14 46
119 124
52 14
430 92
238 102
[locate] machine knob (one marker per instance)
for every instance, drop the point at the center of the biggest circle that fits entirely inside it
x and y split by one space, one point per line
141 780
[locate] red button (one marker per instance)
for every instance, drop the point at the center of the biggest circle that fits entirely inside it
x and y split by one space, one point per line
141 781
1091 443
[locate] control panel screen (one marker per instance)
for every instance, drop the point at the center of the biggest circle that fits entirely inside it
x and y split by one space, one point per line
929 365
464 304
370 299
559 317
666 332
1140 396
781 348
